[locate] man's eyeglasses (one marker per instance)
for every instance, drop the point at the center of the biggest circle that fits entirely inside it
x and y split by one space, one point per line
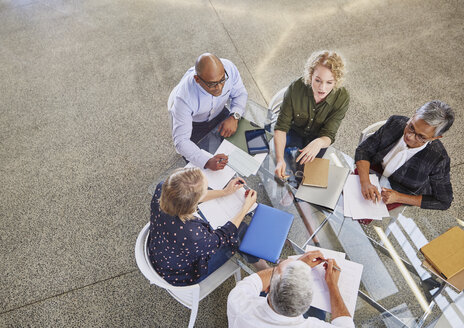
419 137
215 84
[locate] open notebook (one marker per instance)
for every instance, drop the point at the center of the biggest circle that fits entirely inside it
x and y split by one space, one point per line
348 283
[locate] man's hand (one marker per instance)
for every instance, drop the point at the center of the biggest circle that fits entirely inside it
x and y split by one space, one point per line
390 196
309 153
280 169
312 258
369 191
233 186
228 127
331 274
217 162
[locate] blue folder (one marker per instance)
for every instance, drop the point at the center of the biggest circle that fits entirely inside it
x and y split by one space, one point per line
267 232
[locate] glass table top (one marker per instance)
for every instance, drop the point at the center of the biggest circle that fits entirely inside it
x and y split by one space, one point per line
395 290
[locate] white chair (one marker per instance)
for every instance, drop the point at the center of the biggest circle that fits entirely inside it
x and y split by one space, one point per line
370 130
189 296
274 106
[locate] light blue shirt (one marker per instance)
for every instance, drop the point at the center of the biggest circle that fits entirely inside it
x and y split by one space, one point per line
189 102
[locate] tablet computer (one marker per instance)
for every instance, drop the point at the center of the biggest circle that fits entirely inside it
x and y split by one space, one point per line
256 141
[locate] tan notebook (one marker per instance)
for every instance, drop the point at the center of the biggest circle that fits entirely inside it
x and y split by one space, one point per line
316 173
446 252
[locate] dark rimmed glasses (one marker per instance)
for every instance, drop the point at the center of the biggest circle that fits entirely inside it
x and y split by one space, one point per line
215 84
419 137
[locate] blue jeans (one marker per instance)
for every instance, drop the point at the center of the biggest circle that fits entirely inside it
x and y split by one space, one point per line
201 129
293 143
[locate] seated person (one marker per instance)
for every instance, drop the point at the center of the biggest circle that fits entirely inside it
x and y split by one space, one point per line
312 110
290 295
414 164
182 247
197 105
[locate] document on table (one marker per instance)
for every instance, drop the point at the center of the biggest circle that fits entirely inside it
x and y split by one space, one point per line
217 180
240 161
220 210
356 206
348 283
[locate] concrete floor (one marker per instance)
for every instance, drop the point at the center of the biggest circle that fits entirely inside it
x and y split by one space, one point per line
84 132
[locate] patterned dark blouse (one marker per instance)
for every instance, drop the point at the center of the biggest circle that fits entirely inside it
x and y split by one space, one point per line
179 251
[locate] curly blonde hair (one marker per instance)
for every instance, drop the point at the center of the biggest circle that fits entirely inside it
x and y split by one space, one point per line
328 59
181 192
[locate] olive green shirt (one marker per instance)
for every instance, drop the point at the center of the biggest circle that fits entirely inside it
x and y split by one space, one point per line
300 112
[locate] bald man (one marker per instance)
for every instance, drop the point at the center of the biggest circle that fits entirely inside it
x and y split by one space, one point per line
197 105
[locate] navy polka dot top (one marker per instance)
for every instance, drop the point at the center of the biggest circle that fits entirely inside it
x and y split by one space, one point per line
179 251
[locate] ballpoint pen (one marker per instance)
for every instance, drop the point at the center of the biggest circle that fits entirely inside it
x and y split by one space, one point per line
223 159
335 267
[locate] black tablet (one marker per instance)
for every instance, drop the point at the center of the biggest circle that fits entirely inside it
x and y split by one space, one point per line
256 141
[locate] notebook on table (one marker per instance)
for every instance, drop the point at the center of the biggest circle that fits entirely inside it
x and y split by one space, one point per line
316 173
267 232
326 197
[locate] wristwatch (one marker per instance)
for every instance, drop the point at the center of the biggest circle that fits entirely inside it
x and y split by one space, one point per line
237 116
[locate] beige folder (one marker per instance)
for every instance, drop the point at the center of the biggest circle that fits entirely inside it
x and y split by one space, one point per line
316 173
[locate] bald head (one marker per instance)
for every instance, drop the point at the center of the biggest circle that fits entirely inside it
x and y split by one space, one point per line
209 69
208 63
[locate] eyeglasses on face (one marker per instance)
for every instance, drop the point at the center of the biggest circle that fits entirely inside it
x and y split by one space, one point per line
419 137
215 84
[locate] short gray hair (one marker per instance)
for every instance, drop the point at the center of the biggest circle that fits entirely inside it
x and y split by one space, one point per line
291 292
437 114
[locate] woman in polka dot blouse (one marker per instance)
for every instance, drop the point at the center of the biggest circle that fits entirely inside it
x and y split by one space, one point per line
183 248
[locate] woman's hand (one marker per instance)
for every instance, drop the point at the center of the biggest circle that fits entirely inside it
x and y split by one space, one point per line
390 196
280 169
370 192
233 186
309 153
250 200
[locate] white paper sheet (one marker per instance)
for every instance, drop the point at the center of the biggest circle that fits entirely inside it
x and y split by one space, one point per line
217 180
356 206
220 210
348 284
242 162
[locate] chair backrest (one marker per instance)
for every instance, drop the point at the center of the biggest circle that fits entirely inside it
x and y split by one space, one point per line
370 130
183 294
170 103
274 106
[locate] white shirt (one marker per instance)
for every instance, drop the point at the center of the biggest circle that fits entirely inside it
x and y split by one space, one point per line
189 102
246 309
395 158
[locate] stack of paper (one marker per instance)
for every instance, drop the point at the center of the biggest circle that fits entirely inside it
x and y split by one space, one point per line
243 163
220 210
356 206
217 180
348 283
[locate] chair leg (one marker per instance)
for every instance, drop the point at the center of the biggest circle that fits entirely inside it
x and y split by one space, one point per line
194 312
238 275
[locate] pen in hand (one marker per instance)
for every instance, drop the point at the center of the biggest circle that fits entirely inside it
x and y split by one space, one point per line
325 261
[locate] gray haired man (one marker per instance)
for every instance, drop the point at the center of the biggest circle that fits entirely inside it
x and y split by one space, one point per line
290 294
413 162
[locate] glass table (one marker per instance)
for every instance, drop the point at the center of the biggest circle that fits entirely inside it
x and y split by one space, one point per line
395 290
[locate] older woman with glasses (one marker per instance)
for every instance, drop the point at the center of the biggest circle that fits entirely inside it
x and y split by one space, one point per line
414 164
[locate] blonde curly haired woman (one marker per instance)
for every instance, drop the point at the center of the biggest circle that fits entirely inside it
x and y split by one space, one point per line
312 110
182 247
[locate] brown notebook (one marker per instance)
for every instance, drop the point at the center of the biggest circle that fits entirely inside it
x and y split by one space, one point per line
446 252
316 173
